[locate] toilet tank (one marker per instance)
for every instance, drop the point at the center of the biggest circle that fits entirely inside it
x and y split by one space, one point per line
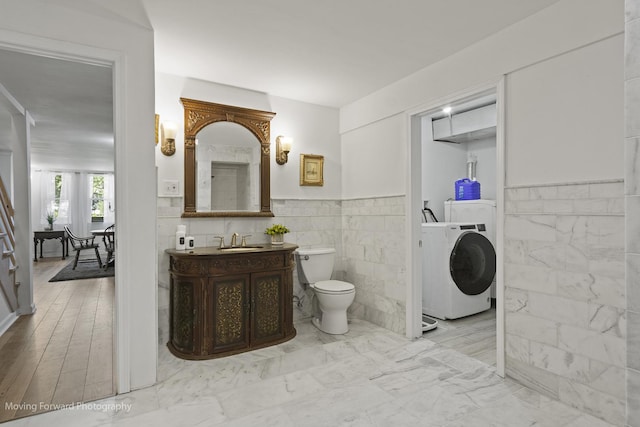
315 265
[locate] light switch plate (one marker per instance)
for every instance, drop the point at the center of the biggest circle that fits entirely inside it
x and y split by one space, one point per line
171 187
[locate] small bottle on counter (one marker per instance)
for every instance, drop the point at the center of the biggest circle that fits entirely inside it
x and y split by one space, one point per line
181 237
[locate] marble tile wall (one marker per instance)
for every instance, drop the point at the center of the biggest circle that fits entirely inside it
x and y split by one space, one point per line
368 235
374 248
632 197
565 295
313 223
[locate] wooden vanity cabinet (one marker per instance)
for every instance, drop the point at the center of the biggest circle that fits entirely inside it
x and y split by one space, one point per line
227 303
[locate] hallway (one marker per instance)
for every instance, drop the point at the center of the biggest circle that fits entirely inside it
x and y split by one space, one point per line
63 353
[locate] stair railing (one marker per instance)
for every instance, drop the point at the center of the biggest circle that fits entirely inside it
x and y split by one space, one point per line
7 225
7 247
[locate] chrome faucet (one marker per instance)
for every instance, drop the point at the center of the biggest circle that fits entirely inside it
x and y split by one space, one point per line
234 239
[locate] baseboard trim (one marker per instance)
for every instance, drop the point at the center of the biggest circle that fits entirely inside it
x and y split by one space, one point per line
31 310
7 322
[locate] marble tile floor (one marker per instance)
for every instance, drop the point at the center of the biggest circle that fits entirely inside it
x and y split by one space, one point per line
367 377
474 336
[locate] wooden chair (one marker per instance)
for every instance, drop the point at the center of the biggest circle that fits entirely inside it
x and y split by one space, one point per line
109 243
80 244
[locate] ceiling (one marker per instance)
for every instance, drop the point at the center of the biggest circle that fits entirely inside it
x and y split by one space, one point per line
329 52
71 104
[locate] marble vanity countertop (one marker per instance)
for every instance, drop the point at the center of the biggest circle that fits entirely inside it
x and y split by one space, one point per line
249 249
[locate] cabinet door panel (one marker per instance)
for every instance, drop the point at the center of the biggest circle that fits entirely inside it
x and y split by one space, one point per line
185 320
267 302
228 311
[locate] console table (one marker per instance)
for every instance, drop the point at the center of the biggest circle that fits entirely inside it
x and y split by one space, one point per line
41 236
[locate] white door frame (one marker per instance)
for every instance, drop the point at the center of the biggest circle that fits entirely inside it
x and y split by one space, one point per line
40 46
414 207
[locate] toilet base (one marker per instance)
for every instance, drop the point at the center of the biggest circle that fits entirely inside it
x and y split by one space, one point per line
336 324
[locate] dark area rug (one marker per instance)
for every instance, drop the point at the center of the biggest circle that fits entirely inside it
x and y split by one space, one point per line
84 270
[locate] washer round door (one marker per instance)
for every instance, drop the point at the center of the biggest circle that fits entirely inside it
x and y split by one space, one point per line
472 263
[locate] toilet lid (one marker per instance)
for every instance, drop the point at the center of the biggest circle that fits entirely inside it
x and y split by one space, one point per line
334 286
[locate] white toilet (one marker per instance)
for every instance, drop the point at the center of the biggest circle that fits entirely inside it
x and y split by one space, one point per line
334 296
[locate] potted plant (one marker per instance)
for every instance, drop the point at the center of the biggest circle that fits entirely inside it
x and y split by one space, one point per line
277 232
51 217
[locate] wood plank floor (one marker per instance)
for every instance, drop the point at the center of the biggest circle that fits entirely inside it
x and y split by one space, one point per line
473 335
63 353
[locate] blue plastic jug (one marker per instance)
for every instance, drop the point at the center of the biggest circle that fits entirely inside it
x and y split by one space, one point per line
467 189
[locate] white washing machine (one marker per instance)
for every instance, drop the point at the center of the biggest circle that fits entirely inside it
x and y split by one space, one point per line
474 211
458 267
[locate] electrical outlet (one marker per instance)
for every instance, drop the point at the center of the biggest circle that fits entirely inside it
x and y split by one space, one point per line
171 188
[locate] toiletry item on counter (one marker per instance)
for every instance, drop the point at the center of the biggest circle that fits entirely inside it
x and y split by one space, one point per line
181 237
191 242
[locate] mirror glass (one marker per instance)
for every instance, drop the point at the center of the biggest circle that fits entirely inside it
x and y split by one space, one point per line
228 168
226 160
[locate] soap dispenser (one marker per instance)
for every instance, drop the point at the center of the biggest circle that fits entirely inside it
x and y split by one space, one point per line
181 237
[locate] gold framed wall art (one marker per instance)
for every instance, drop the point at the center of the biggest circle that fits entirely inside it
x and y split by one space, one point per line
311 170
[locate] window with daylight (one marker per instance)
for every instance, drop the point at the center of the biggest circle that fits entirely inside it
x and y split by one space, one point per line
78 199
54 197
57 180
97 198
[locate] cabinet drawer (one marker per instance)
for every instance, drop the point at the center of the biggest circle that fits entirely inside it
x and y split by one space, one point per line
187 266
246 263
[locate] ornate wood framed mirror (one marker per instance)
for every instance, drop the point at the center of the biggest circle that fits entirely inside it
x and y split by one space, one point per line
226 160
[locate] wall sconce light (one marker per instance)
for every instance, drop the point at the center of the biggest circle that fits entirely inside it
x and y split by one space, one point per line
283 147
169 130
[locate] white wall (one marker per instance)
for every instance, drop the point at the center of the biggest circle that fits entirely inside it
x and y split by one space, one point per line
374 159
565 117
442 164
314 130
373 124
85 29
90 162
6 170
557 29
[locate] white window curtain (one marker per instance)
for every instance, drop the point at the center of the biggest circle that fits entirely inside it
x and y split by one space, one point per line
66 199
47 195
109 200
80 207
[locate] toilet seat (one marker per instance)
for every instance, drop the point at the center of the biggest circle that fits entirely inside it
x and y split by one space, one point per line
333 287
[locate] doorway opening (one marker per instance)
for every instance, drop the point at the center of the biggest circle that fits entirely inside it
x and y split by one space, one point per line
63 353
456 152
